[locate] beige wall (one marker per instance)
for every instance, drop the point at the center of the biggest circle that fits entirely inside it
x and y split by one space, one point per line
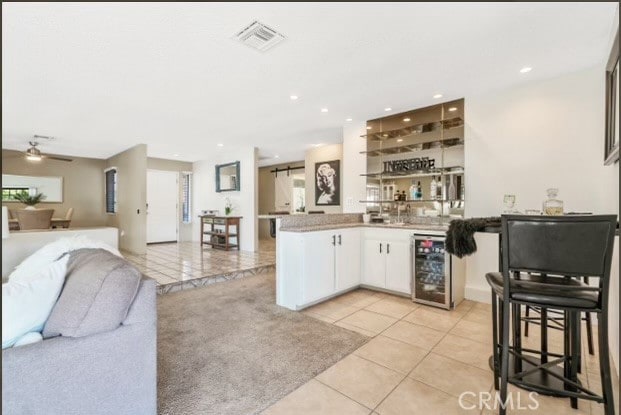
83 185
316 155
267 194
185 229
131 218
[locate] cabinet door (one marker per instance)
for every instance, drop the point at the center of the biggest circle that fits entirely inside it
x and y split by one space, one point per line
318 279
398 267
347 258
374 263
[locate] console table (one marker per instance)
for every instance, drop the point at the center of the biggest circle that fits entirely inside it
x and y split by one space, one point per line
217 231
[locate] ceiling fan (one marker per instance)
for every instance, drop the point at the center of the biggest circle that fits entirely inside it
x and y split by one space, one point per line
34 154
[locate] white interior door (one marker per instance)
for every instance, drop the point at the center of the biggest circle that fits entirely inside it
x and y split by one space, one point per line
162 200
283 186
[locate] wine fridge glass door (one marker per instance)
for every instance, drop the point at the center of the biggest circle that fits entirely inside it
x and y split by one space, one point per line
431 280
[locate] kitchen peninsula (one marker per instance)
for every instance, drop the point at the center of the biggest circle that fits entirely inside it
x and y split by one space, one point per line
322 256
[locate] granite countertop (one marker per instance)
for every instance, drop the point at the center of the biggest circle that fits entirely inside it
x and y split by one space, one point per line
406 226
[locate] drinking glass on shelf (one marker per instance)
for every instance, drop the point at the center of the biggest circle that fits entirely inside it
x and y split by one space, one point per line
509 201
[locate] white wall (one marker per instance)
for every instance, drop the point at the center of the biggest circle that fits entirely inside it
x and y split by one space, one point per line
245 201
525 139
131 214
354 164
316 155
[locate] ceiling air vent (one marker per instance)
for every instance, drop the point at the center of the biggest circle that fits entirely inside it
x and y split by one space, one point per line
259 36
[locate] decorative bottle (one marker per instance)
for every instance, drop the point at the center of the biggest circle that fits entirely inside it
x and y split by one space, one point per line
433 190
413 191
452 192
552 206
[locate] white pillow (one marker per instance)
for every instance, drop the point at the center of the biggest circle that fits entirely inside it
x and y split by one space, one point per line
29 338
52 251
28 301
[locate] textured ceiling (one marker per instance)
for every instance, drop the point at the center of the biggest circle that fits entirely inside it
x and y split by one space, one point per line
102 77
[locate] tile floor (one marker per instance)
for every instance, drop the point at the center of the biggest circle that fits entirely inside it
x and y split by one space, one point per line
185 265
418 361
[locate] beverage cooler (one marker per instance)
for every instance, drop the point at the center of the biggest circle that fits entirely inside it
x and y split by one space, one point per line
438 278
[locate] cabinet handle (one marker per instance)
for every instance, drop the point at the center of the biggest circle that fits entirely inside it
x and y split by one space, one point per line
334 240
387 248
340 240
380 248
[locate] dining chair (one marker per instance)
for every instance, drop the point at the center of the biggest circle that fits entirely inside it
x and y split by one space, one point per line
34 219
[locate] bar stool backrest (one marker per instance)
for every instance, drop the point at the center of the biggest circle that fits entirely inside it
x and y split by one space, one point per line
572 246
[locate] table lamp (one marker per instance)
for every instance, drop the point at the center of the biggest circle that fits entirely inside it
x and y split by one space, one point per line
5 222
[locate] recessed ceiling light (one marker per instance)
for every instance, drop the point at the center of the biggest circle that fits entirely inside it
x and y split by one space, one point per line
293 97
220 145
175 155
453 109
387 109
436 96
399 140
406 120
349 119
369 127
276 156
526 69
317 145
324 110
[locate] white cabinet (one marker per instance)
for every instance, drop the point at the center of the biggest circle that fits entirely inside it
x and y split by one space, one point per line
347 258
318 270
398 275
386 263
374 260
331 263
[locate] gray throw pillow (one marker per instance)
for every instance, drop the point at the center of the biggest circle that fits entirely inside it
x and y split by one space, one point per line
99 289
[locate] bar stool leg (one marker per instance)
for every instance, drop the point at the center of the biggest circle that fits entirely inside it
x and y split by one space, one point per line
544 335
517 336
604 362
495 339
589 329
574 321
504 364
527 314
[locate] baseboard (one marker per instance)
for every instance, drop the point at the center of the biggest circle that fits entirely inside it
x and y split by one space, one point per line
482 295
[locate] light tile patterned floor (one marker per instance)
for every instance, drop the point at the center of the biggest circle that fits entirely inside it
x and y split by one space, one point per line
419 360
185 265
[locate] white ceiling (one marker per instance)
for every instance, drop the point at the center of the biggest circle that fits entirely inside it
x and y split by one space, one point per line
102 77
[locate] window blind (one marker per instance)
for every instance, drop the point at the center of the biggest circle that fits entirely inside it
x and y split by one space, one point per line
186 183
111 191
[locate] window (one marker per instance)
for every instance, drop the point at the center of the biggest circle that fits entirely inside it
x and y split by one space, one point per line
110 190
9 193
186 191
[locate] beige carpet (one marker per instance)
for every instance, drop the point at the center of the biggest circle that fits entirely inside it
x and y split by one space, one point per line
229 349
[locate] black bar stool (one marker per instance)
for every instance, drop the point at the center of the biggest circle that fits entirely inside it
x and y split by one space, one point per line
543 262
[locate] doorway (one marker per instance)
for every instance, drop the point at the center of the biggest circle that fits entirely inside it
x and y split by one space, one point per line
162 205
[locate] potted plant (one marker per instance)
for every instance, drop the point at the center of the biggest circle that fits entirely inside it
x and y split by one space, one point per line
29 200
228 206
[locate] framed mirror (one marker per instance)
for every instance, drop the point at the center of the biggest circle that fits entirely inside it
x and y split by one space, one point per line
227 177
51 187
611 154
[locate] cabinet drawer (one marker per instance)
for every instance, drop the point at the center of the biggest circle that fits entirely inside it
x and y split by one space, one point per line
214 221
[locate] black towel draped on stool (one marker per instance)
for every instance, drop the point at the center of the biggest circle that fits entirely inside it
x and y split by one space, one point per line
460 235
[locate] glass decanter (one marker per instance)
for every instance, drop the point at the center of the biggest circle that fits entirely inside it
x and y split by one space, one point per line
552 206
